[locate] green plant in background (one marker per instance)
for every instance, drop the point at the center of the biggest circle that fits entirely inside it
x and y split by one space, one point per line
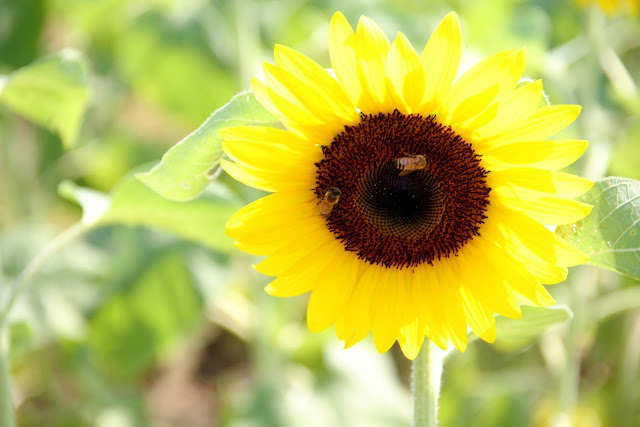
114 303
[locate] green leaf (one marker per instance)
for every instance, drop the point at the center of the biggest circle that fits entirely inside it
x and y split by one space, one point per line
189 166
610 235
132 203
52 92
516 333
132 329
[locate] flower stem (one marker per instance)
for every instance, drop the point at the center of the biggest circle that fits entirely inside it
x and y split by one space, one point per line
6 404
427 371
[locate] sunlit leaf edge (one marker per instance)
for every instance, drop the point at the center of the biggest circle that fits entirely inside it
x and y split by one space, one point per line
189 166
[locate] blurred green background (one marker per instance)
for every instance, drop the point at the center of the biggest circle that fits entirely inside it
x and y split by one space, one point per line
159 322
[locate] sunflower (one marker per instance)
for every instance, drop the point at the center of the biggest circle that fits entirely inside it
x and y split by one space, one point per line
409 202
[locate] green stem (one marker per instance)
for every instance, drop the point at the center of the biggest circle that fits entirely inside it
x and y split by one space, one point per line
6 403
37 263
583 288
427 372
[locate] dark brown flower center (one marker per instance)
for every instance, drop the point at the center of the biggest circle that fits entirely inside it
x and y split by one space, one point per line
402 213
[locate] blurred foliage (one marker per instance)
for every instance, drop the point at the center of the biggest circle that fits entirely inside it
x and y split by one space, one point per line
150 318
52 91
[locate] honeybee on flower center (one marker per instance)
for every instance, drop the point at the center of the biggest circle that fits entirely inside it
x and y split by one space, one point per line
410 163
329 201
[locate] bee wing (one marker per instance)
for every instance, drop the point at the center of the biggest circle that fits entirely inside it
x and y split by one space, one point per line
405 172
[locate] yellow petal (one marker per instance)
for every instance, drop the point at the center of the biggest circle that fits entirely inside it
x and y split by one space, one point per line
473 106
288 257
411 338
406 75
372 47
259 248
448 291
467 129
307 272
527 287
502 70
516 251
293 115
318 81
541 125
484 278
263 95
339 328
357 321
481 320
267 180
297 92
430 310
272 234
329 299
560 183
513 108
567 254
411 334
272 157
342 51
386 316
551 155
440 60
266 209
457 322
269 136
542 207
540 240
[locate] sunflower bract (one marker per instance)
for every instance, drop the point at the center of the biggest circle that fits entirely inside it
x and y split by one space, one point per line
407 254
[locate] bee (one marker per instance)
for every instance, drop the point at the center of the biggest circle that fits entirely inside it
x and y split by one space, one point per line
411 163
327 204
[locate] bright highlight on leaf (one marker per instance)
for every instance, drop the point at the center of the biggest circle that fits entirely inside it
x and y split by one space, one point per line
189 166
52 92
610 235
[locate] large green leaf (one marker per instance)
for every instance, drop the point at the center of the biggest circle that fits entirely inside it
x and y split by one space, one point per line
189 166
610 235
52 92
132 203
